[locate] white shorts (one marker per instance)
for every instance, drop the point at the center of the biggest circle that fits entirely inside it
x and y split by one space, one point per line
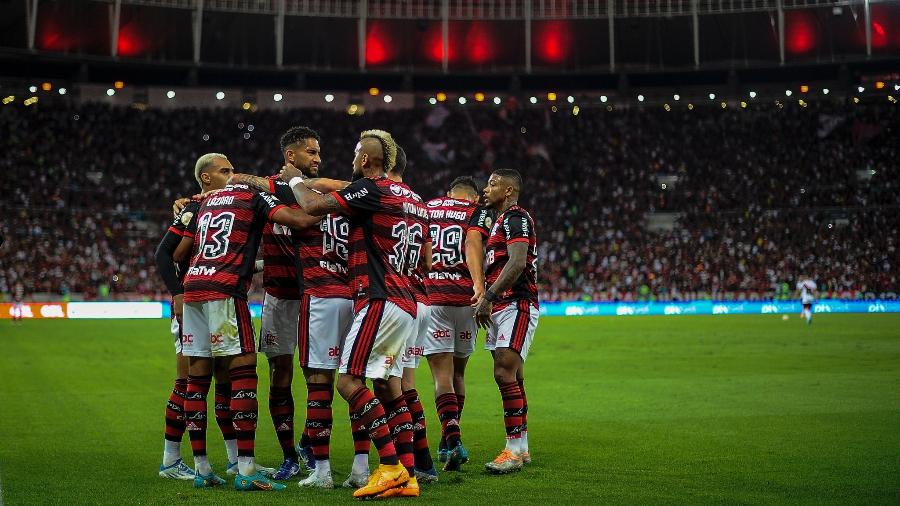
324 324
452 330
217 328
376 339
278 329
807 300
176 332
513 327
414 349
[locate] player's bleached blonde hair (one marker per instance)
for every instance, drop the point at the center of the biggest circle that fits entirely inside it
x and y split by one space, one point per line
388 145
204 162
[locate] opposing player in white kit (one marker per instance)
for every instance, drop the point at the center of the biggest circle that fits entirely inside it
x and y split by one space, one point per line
458 228
807 289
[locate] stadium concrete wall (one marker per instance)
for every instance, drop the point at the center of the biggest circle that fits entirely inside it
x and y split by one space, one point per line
153 310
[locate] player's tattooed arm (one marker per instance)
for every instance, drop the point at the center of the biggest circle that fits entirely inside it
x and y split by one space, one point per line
518 258
259 183
325 185
315 204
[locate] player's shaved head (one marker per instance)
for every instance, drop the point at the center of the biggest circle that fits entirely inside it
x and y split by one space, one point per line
463 187
400 166
373 149
388 148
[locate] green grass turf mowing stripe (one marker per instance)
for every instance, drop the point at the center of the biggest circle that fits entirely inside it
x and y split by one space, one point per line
644 410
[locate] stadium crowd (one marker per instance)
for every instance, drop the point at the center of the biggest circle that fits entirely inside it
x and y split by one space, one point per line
758 196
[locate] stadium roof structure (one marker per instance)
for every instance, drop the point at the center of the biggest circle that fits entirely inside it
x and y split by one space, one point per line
449 44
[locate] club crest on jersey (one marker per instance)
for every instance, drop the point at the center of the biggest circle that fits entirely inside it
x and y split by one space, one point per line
488 222
186 218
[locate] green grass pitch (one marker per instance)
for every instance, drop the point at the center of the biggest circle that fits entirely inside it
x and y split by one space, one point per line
642 410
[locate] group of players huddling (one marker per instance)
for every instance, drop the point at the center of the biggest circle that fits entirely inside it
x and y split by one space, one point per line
362 279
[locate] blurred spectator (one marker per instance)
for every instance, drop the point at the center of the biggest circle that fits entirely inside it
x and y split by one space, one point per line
761 195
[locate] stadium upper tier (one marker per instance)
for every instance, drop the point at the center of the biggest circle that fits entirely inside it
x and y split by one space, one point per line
629 203
420 37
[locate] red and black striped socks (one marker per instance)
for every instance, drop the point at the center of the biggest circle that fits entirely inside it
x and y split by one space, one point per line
195 412
370 413
512 412
448 414
281 408
174 423
319 418
244 412
175 412
400 423
420 435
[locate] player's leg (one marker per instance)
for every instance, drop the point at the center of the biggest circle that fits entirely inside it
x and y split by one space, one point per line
520 379
173 466
277 339
319 421
376 326
222 404
238 348
464 331
412 355
506 363
324 324
511 333
197 347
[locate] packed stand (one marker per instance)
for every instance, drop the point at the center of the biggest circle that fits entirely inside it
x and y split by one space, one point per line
762 195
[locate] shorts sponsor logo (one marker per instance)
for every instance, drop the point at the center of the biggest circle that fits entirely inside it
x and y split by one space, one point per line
501 338
441 334
415 351
465 336
334 352
216 339
270 339
187 339
388 361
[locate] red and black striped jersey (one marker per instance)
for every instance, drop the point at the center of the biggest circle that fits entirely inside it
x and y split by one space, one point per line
280 262
512 226
323 258
228 232
379 211
418 237
449 282
185 219
183 224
